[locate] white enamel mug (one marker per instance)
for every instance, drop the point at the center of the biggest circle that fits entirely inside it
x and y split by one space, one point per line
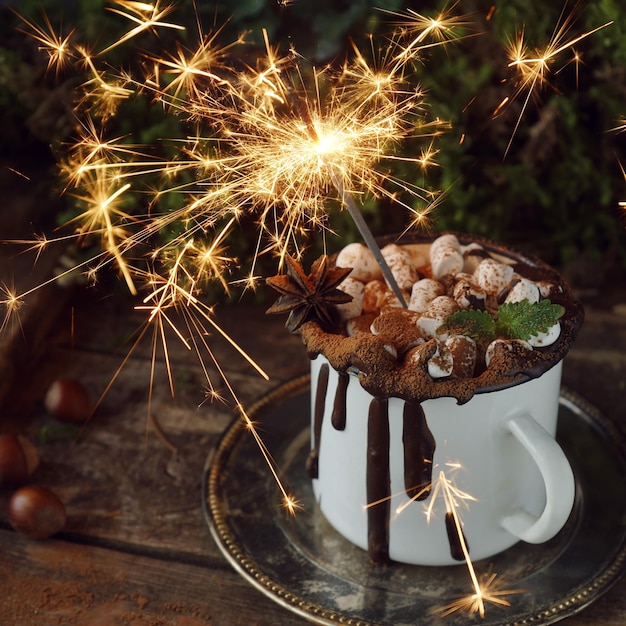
495 454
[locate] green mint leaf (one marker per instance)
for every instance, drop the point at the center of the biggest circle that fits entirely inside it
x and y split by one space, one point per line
522 320
473 323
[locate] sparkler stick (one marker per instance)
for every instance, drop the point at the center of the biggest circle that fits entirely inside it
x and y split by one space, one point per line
369 239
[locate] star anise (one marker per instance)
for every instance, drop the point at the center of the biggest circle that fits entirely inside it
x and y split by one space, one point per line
312 297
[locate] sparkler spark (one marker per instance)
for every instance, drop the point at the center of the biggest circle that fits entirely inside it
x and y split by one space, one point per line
489 590
147 16
57 47
419 29
11 302
534 66
486 589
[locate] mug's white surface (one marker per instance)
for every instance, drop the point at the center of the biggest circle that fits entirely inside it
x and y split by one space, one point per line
493 472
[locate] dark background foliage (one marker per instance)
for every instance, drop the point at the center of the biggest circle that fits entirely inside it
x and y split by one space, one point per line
551 185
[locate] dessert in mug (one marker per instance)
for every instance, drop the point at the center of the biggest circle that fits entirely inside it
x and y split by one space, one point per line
477 318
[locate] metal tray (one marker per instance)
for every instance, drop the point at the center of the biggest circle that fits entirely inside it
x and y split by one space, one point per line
307 567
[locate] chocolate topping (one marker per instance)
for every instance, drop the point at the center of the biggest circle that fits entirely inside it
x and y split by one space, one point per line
338 417
406 376
419 450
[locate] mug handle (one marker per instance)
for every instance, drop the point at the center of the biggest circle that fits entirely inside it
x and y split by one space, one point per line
557 476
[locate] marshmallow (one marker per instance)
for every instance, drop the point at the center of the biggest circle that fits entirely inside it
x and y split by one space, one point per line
435 315
390 300
492 276
445 256
545 339
356 289
374 295
463 351
424 291
473 254
523 289
456 356
421 354
545 288
441 363
500 346
419 257
467 295
401 265
444 241
360 258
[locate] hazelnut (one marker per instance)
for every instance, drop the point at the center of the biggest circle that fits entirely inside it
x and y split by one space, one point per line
68 401
18 460
36 512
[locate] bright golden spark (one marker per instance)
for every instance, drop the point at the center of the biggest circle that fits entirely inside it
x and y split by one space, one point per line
534 67
104 215
57 47
11 302
490 591
147 16
101 94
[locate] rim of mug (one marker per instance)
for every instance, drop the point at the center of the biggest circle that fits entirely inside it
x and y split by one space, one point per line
570 322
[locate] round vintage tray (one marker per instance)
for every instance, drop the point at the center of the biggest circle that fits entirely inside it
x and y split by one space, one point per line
303 564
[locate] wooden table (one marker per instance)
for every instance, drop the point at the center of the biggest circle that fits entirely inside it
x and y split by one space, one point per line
136 549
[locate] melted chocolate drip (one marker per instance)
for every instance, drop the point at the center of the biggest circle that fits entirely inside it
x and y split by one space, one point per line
312 462
456 542
338 417
419 449
479 253
378 482
507 290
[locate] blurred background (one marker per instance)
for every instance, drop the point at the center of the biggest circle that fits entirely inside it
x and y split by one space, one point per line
551 186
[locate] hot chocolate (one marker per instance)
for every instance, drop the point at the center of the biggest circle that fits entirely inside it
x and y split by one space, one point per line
477 319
